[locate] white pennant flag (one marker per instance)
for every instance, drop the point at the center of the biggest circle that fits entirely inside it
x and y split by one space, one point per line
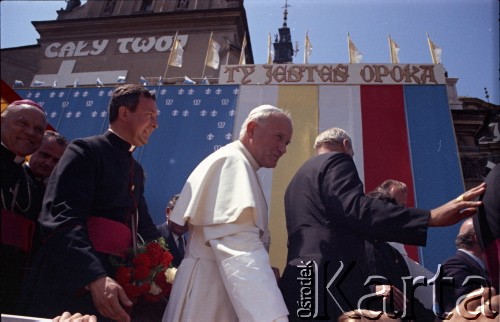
213 54
394 49
307 49
355 56
243 60
435 51
175 58
270 52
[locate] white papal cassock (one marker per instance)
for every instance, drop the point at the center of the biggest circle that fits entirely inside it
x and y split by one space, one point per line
226 274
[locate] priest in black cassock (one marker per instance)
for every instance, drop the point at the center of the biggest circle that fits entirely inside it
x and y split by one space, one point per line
93 195
23 125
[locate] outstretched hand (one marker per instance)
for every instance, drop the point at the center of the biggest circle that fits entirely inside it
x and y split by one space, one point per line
457 209
108 297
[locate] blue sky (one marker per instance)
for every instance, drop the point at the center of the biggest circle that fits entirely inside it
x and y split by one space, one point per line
466 30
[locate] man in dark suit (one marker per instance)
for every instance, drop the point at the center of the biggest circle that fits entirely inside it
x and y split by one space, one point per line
466 268
174 234
328 219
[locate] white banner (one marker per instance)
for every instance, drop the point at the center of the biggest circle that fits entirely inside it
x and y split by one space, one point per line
333 74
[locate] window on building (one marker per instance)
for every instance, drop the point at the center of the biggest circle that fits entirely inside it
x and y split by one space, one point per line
109 6
182 4
147 5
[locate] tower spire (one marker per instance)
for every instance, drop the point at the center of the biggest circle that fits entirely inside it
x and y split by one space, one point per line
283 47
285 12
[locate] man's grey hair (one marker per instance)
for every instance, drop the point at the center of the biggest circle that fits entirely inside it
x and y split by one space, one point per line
259 115
388 184
333 135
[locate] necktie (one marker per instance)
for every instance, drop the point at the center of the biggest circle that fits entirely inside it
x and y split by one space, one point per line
180 246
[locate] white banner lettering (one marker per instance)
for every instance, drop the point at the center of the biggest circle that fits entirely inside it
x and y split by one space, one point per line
125 46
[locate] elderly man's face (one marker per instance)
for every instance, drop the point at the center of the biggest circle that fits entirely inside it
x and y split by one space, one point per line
23 129
268 141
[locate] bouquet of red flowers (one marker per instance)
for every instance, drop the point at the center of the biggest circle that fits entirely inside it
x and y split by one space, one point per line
143 274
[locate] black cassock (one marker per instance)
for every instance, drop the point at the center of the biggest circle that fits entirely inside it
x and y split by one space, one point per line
20 204
96 177
328 218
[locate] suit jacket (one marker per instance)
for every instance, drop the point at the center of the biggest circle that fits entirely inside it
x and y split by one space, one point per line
328 218
171 243
459 267
487 225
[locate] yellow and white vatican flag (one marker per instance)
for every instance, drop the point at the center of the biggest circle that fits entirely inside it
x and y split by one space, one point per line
175 58
243 60
435 51
307 48
212 59
355 56
394 49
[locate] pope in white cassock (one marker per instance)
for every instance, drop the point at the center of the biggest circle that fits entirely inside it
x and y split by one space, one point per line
226 274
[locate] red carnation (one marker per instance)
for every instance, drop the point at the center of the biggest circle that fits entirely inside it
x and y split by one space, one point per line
141 273
161 280
166 259
155 251
145 288
123 275
142 260
132 291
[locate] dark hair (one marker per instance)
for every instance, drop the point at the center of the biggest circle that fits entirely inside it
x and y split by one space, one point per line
171 205
50 135
128 96
172 201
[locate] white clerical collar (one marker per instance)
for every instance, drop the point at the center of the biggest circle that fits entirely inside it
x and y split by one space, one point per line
132 147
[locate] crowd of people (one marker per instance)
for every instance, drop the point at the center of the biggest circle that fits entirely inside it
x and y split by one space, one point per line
68 208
